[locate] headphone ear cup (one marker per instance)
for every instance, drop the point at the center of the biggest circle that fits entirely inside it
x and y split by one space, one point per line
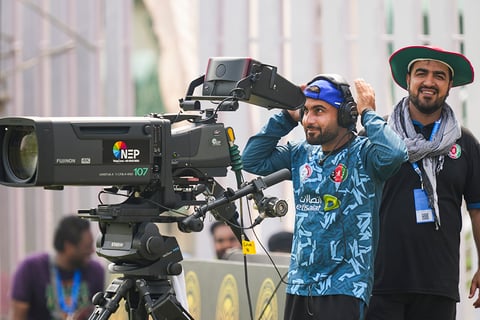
347 114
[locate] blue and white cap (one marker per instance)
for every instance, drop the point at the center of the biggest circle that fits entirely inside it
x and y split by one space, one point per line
324 90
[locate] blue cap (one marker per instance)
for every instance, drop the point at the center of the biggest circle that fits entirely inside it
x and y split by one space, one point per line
326 91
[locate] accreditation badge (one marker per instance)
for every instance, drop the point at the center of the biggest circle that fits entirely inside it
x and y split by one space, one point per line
423 210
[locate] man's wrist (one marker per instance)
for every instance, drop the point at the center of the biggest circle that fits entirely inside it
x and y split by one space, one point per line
289 118
366 110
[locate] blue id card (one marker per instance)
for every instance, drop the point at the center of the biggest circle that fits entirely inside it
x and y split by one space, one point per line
423 210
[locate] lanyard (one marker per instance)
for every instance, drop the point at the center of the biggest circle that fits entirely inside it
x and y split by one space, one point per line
77 278
419 172
435 128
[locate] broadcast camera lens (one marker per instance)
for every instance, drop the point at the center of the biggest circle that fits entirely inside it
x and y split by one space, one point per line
20 153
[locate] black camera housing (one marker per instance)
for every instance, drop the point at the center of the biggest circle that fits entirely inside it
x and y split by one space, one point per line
144 154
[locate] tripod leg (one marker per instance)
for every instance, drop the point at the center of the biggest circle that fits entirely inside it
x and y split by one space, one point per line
108 303
161 303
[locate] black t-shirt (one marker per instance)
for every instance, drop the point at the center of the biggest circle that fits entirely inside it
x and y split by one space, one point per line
415 257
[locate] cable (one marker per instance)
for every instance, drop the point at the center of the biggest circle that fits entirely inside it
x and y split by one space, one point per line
273 295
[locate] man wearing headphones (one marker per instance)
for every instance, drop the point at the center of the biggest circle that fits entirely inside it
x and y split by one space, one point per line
337 179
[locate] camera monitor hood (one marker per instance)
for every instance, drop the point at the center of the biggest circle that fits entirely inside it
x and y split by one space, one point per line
250 81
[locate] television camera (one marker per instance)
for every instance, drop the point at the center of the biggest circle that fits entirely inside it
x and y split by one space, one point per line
161 168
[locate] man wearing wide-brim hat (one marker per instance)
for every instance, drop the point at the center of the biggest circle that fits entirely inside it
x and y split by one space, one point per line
417 264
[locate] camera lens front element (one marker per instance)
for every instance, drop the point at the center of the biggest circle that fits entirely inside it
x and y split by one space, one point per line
20 153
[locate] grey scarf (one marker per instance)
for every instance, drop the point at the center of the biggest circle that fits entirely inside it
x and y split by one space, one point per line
431 152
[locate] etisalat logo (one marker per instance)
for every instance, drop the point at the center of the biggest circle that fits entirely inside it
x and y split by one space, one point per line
122 153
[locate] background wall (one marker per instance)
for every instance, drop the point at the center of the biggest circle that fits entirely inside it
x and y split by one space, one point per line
83 58
57 58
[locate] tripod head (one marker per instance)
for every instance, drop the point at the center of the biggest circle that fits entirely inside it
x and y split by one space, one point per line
132 242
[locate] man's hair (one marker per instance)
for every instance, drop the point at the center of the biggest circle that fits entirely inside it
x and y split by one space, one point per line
69 229
280 241
410 67
215 225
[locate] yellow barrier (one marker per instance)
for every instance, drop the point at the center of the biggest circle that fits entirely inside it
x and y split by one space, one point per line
216 289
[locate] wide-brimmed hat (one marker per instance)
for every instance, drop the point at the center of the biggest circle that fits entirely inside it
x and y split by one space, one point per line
401 60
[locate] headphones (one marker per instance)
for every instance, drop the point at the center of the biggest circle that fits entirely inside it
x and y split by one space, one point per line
347 111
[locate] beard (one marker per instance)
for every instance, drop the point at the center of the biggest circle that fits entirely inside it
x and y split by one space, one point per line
426 106
320 136
78 262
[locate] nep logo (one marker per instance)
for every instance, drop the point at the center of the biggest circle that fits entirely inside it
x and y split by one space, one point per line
122 153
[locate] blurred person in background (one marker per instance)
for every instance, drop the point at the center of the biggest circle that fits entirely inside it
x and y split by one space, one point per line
59 286
280 242
224 240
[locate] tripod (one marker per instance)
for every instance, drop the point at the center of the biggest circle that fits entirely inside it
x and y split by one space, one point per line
145 259
133 243
144 295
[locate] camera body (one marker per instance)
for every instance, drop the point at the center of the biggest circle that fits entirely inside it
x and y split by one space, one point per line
162 167
140 152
